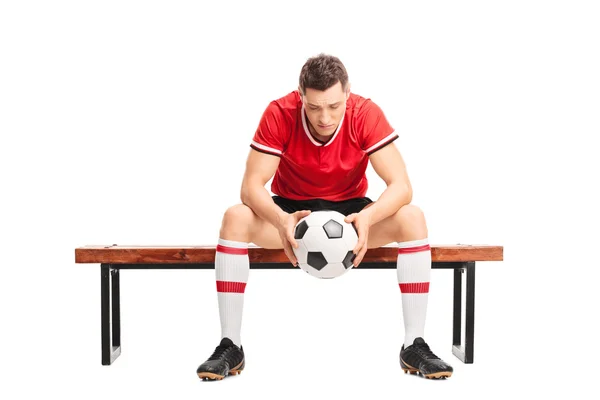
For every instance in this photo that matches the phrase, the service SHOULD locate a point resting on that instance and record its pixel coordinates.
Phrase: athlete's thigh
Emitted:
(264, 234)
(382, 233)
(379, 233)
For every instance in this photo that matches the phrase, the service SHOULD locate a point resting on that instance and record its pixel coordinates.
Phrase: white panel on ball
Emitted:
(332, 271)
(300, 252)
(335, 250)
(315, 238)
(350, 237)
(319, 218)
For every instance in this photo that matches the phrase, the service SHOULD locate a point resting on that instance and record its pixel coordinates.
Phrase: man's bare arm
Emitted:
(389, 165)
(261, 167)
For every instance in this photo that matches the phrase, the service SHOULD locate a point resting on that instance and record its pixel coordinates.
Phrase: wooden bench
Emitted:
(460, 258)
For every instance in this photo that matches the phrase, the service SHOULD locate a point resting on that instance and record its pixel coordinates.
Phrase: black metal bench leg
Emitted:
(464, 353)
(111, 315)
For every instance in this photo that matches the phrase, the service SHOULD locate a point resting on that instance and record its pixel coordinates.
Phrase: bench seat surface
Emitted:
(115, 254)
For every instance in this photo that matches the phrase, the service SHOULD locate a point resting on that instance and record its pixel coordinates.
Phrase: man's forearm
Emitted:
(394, 197)
(258, 199)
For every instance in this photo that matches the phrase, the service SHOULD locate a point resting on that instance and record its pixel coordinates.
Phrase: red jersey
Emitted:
(311, 169)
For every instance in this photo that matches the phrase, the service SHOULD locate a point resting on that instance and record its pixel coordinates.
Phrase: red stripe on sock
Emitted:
(416, 287)
(405, 250)
(231, 250)
(231, 287)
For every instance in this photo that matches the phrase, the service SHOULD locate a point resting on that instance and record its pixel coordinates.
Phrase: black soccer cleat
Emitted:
(419, 358)
(227, 359)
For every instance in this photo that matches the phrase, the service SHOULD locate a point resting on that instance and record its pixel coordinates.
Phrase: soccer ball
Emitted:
(325, 244)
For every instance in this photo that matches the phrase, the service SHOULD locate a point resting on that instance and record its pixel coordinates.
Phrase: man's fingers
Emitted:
(290, 254)
(362, 239)
(359, 245)
(302, 213)
(360, 256)
(357, 261)
(292, 241)
(293, 261)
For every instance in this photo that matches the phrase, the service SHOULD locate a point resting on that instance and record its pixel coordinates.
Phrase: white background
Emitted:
(129, 122)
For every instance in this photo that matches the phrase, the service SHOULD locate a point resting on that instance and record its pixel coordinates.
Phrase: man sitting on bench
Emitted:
(317, 142)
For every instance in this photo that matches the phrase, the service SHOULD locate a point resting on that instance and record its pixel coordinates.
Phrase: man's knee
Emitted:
(411, 222)
(236, 222)
(411, 215)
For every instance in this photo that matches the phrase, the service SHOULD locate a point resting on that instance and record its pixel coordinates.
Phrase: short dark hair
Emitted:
(322, 72)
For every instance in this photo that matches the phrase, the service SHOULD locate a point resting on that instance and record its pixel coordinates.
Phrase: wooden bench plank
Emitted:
(114, 254)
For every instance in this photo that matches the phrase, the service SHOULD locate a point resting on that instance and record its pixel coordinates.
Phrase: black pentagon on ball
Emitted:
(348, 259)
(300, 230)
(316, 259)
(333, 229)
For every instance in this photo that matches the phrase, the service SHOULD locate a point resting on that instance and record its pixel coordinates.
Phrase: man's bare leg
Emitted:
(241, 224)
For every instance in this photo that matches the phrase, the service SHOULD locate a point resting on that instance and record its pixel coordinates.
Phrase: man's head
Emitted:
(324, 88)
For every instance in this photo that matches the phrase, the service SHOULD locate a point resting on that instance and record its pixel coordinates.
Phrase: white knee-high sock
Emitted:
(232, 268)
(414, 270)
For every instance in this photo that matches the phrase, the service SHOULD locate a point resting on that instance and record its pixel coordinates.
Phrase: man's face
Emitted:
(325, 109)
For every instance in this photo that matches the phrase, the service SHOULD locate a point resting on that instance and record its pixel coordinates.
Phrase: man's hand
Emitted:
(286, 233)
(362, 223)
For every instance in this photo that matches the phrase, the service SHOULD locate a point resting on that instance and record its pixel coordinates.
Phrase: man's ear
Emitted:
(301, 94)
(347, 90)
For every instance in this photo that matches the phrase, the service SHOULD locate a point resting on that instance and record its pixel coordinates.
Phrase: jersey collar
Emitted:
(311, 137)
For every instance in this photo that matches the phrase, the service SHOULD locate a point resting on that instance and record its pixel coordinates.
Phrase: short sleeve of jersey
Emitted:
(374, 130)
(272, 129)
